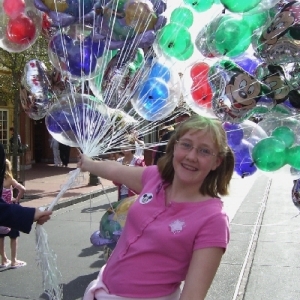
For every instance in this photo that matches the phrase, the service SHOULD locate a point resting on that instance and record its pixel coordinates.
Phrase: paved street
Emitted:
(263, 250)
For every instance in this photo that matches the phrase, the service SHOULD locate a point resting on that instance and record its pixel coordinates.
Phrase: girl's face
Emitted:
(195, 155)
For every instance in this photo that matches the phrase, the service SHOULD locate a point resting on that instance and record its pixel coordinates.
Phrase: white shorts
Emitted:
(97, 290)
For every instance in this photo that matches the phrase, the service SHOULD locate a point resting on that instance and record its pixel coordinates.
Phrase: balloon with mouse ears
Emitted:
(281, 81)
(278, 43)
(235, 91)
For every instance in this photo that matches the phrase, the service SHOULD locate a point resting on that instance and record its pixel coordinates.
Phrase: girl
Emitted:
(128, 159)
(9, 184)
(177, 229)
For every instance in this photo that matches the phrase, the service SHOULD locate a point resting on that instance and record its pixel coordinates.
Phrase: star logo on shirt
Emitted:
(177, 226)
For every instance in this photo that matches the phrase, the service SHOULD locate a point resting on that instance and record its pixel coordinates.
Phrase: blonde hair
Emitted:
(8, 169)
(217, 181)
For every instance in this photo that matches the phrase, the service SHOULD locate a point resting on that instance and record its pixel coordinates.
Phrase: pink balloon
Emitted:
(13, 7)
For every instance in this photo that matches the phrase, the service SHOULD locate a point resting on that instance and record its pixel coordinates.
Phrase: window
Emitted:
(4, 129)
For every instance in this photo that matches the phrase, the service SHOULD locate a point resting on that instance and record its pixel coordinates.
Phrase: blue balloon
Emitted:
(245, 168)
(160, 71)
(248, 63)
(244, 165)
(234, 133)
(79, 58)
(60, 121)
(153, 95)
(77, 8)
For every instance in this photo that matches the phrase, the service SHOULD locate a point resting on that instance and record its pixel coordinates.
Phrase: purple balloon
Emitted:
(248, 63)
(78, 58)
(97, 240)
(244, 165)
(234, 133)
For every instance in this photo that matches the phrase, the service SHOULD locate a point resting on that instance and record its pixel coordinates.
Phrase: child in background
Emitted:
(9, 184)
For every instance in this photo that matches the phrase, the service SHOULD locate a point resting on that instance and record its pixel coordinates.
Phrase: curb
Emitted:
(85, 197)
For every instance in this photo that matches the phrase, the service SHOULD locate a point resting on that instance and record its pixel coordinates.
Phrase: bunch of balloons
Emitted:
(277, 150)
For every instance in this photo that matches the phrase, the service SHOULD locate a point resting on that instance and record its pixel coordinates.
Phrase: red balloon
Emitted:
(13, 7)
(201, 93)
(20, 30)
(199, 70)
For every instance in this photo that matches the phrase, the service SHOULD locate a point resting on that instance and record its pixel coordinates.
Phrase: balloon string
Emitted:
(46, 260)
(71, 181)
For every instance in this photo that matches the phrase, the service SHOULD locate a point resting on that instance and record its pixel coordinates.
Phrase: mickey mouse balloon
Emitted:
(279, 41)
(236, 92)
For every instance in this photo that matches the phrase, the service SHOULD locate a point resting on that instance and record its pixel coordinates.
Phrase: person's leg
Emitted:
(4, 259)
(62, 155)
(68, 149)
(13, 250)
(15, 263)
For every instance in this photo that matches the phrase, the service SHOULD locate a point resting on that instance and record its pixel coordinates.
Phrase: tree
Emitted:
(11, 71)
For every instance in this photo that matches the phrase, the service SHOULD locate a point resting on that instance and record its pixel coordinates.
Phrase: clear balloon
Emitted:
(117, 83)
(156, 97)
(20, 25)
(78, 120)
(226, 35)
(197, 90)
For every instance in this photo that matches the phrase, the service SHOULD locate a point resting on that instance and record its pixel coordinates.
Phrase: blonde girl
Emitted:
(9, 184)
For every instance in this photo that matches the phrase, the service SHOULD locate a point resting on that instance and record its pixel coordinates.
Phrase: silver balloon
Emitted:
(36, 94)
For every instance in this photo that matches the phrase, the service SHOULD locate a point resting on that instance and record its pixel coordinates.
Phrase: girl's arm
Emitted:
(114, 171)
(203, 267)
(21, 189)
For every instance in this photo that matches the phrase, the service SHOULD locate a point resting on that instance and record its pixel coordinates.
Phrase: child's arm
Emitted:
(21, 189)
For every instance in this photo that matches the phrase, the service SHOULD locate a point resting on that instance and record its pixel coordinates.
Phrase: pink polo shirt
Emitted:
(153, 253)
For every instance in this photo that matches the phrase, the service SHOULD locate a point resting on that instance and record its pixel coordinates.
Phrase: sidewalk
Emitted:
(43, 183)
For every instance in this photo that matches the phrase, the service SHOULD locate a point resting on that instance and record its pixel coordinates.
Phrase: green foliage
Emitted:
(12, 66)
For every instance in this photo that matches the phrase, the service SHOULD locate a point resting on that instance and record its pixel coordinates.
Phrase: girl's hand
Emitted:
(83, 162)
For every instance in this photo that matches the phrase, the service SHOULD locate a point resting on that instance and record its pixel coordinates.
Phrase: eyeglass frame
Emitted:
(201, 153)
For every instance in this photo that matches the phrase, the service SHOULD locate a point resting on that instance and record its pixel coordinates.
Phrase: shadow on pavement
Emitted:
(75, 289)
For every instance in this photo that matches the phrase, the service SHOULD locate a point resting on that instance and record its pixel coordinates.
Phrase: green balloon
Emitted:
(182, 16)
(269, 154)
(138, 61)
(174, 39)
(256, 21)
(187, 54)
(240, 6)
(233, 36)
(200, 5)
(284, 134)
(293, 157)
